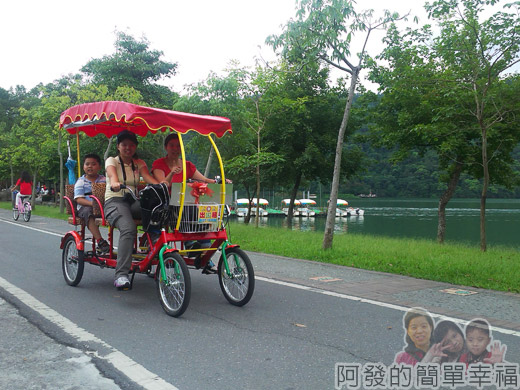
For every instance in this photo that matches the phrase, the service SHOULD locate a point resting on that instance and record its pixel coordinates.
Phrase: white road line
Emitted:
(376, 303)
(32, 228)
(121, 362)
(36, 229)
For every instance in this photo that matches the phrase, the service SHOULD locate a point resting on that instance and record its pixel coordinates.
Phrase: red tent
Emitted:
(110, 117)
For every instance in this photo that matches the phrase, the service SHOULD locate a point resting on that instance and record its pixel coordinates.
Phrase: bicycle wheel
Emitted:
(174, 292)
(16, 213)
(72, 262)
(239, 284)
(26, 211)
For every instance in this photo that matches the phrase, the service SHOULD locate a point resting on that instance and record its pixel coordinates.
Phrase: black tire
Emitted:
(72, 262)
(237, 287)
(174, 292)
(27, 212)
(16, 214)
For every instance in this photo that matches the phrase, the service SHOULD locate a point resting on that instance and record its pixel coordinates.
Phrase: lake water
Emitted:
(418, 218)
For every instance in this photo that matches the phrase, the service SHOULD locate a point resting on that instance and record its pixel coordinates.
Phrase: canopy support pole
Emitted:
(183, 186)
(223, 179)
(77, 147)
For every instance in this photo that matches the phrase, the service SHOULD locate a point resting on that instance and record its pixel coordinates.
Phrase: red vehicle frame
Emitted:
(167, 260)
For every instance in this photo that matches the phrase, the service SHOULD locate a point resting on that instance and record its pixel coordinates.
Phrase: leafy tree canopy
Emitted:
(134, 65)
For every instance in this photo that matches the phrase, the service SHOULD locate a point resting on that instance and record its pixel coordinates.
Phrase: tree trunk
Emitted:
(331, 211)
(107, 150)
(210, 160)
(247, 218)
(294, 193)
(257, 219)
(485, 165)
(483, 243)
(62, 185)
(445, 198)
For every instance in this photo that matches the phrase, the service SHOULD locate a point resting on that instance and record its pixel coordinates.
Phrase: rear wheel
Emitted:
(174, 291)
(72, 262)
(16, 213)
(239, 284)
(27, 212)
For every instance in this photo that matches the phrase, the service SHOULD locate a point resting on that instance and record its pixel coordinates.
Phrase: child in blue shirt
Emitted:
(82, 190)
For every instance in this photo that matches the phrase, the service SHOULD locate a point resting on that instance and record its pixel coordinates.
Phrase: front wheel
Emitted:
(27, 212)
(237, 285)
(72, 262)
(16, 213)
(174, 291)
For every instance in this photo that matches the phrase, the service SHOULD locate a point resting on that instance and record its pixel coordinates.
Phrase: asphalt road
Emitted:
(299, 323)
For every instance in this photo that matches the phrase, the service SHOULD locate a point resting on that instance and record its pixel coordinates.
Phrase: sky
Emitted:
(45, 40)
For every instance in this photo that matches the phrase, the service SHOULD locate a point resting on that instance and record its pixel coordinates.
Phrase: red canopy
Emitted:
(110, 117)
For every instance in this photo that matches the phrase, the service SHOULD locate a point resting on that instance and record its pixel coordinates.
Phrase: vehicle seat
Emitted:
(98, 191)
(71, 204)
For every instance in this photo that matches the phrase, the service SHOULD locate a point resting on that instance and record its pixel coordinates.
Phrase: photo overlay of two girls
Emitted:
(437, 355)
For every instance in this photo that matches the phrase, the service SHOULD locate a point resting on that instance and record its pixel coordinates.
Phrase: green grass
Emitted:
(497, 269)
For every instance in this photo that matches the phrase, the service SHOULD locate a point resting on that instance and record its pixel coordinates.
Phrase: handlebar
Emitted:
(125, 187)
(218, 180)
(121, 187)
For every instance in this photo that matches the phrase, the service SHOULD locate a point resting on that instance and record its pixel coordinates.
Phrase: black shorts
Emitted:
(85, 212)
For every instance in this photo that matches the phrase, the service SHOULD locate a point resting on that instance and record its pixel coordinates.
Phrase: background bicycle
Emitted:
(23, 207)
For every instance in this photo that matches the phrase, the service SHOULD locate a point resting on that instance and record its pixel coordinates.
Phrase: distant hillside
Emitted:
(415, 177)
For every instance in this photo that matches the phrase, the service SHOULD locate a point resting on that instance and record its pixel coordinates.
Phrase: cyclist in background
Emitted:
(24, 184)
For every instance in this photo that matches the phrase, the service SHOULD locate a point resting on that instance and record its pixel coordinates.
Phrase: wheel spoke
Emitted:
(238, 284)
(174, 287)
(72, 262)
(174, 290)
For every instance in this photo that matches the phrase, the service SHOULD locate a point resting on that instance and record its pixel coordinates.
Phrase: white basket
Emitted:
(197, 218)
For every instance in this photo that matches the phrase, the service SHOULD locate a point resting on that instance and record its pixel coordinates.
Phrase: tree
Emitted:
(417, 111)
(243, 168)
(321, 31)
(134, 65)
(304, 133)
(221, 96)
(263, 99)
(10, 103)
(451, 97)
(479, 53)
(38, 124)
